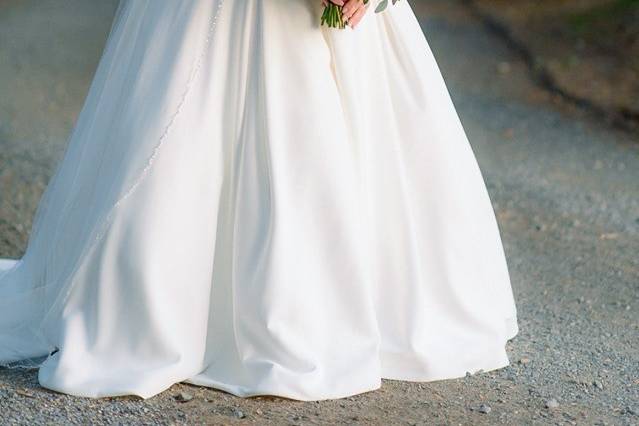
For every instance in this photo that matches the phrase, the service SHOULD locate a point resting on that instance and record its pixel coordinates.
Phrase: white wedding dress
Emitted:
(256, 203)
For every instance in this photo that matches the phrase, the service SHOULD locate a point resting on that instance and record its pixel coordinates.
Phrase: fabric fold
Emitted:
(253, 202)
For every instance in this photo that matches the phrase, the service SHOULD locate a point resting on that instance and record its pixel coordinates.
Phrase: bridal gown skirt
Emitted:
(255, 203)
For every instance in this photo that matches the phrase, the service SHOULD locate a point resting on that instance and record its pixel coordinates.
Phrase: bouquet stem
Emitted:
(332, 16)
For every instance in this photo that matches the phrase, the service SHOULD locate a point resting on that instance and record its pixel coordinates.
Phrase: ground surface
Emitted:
(564, 186)
(585, 49)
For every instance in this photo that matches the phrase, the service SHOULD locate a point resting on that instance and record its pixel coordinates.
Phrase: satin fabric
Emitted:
(255, 203)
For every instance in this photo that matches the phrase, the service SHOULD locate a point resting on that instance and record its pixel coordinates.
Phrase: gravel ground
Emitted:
(564, 186)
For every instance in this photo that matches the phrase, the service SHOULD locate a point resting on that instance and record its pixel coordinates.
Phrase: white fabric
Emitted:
(255, 203)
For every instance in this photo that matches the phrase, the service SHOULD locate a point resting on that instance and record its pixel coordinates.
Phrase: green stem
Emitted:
(332, 16)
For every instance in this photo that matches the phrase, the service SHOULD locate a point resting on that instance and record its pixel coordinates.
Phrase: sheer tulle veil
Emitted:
(143, 78)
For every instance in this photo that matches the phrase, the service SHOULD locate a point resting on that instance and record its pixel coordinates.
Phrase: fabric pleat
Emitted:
(252, 202)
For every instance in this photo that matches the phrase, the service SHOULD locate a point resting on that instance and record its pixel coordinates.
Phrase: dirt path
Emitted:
(567, 199)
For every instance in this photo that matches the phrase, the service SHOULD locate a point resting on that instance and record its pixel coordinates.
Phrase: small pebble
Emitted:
(183, 397)
(552, 404)
(484, 408)
(632, 411)
(239, 414)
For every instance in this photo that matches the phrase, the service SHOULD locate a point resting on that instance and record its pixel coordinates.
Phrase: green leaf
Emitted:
(381, 6)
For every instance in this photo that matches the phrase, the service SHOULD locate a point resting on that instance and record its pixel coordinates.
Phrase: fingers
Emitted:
(351, 7)
(353, 11)
(354, 20)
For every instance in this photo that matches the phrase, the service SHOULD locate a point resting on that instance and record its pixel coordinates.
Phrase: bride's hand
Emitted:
(352, 11)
